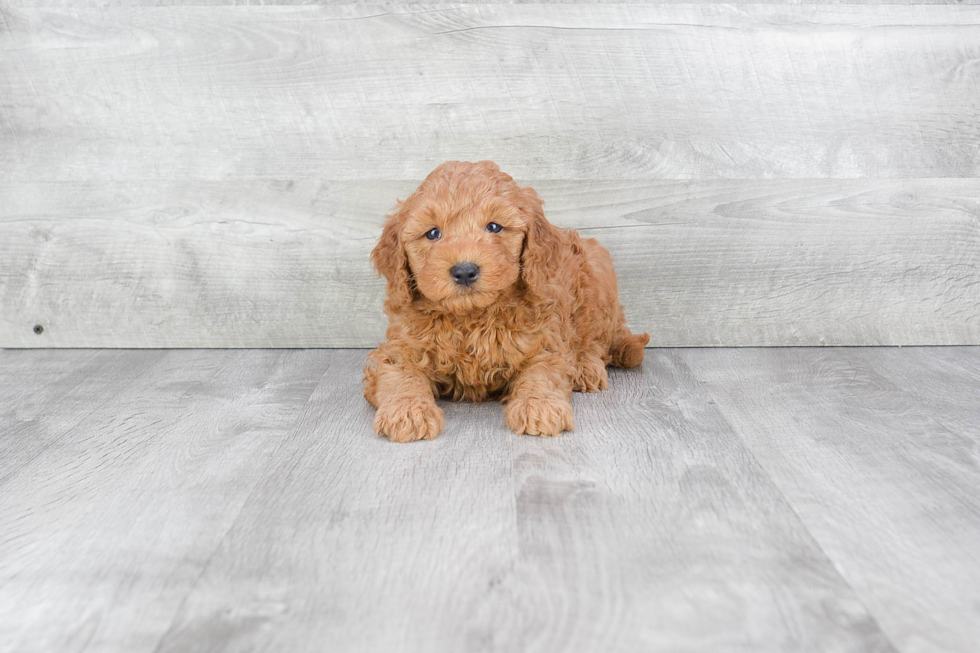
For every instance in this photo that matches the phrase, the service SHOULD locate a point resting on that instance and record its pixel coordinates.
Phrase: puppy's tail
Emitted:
(627, 348)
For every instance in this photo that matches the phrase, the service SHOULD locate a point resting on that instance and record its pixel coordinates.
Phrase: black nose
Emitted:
(465, 274)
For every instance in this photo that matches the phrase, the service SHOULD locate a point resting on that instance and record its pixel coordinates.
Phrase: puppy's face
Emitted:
(463, 232)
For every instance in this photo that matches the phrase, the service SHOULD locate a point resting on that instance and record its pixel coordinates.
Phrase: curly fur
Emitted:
(543, 318)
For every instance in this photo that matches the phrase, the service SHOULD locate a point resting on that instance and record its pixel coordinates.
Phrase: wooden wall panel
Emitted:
(269, 263)
(577, 92)
(425, 4)
(216, 175)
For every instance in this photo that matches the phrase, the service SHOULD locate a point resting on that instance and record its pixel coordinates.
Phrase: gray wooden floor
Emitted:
(714, 500)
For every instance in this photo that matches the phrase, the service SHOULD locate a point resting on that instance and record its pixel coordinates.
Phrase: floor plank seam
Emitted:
(271, 458)
(786, 500)
(766, 500)
(88, 412)
(833, 562)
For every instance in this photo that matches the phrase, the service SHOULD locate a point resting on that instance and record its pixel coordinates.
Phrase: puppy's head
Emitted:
(466, 236)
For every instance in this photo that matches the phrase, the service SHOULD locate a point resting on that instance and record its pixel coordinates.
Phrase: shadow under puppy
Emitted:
(488, 300)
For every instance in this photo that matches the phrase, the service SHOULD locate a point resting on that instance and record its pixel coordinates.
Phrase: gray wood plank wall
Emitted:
(215, 176)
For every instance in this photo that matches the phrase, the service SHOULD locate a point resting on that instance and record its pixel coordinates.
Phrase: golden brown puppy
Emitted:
(487, 300)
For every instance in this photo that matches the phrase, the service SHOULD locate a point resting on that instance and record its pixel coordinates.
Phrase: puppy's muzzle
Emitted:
(465, 274)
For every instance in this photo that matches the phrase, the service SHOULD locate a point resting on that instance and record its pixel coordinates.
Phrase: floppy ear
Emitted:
(542, 245)
(389, 259)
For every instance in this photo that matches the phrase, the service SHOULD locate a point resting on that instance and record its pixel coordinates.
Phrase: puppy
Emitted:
(487, 300)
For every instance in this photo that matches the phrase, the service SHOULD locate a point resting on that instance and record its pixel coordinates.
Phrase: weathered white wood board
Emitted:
(724, 500)
(426, 4)
(548, 91)
(65, 377)
(106, 527)
(269, 263)
(239, 501)
(198, 176)
(877, 451)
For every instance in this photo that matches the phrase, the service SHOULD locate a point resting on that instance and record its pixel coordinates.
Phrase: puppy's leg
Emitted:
(590, 372)
(538, 401)
(407, 409)
(627, 348)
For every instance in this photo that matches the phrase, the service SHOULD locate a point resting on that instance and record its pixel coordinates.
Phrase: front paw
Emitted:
(409, 419)
(539, 416)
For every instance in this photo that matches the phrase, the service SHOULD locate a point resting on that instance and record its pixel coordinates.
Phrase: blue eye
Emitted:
(494, 228)
(433, 233)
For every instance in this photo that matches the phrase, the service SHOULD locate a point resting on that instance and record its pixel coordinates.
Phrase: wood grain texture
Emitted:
(224, 503)
(30, 383)
(877, 451)
(81, 382)
(548, 91)
(486, 541)
(215, 176)
(426, 3)
(281, 263)
(105, 531)
(653, 521)
(355, 541)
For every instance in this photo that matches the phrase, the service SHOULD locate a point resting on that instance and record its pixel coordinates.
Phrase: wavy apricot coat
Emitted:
(543, 319)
